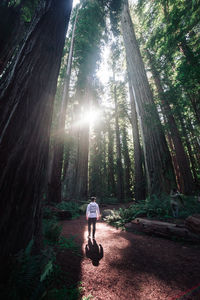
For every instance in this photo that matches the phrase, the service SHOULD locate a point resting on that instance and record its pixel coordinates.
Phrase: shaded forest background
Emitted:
(119, 157)
(65, 135)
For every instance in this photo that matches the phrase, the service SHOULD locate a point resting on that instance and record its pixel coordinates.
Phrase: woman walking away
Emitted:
(92, 215)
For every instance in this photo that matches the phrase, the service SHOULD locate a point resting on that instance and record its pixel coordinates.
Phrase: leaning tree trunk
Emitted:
(187, 183)
(158, 164)
(26, 105)
(139, 177)
(12, 31)
(55, 186)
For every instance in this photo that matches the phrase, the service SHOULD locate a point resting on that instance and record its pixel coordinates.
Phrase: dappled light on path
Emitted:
(134, 267)
(117, 275)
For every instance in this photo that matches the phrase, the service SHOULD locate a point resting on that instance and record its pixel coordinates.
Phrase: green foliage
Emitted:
(114, 219)
(48, 213)
(110, 200)
(83, 208)
(89, 297)
(29, 275)
(34, 277)
(153, 207)
(28, 11)
(73, 207)
(64, 293)
(191, 206)
(89, 32)
(69, 243)
(51, 231)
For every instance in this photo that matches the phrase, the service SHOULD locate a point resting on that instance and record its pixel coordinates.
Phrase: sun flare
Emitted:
(90, 118)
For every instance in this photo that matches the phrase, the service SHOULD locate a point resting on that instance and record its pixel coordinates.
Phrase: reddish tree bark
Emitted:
(55, 184)
(127, 165)
(158, 164)
(111, 177)
(120, 181)
(139, 178)
(26, 104)
(186, 183)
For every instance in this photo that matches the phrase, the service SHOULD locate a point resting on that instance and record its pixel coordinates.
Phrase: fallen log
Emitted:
(193, 223)
(163, 229)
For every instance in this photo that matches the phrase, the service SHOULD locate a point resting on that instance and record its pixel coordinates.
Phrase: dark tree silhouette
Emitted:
(26, 103)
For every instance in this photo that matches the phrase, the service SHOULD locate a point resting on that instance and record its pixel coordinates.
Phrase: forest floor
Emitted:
(133, 266)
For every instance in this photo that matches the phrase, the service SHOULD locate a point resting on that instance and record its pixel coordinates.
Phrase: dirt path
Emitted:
(133, 266)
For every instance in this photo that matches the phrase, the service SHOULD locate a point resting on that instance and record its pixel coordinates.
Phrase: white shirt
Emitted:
(92, 210)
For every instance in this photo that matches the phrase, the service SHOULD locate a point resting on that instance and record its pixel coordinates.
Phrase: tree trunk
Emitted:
(69, 181)
(111, 178)
(187, 183)
(194, 140)
(55, 185)
(120, 182)
(25, 114)
(67, 149)
(12, 32)
(193, 92)
(81, 190)
(97, 174)
(190, 153)
(179, 179)
(139, 178)
(158, 164)
(127, 165)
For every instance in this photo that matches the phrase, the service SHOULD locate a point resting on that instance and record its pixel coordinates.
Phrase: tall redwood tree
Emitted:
(158, 164)
(26, 103)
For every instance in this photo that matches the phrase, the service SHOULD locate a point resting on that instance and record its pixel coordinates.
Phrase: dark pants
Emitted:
(93, 222)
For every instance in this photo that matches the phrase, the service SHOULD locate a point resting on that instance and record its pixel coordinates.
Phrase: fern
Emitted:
(70, 244)
(51, 231)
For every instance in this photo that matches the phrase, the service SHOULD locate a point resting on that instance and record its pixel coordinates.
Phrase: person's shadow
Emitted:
(94, 252)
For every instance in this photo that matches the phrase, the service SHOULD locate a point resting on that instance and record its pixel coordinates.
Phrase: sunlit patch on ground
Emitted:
(131, 266)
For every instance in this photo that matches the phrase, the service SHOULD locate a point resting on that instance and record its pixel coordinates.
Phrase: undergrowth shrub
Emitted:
(153, 207)
(109, 200)
(83, 207)
(114, 217)
(73, 207)
(35, 277)
(29, 274)
(191, 206)
(38, 277)
(48, 213)
(51, 231)
(69, 243)
(64, 293)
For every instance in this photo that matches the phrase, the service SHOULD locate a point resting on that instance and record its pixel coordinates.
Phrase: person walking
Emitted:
(92, 215)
